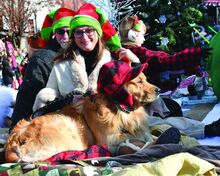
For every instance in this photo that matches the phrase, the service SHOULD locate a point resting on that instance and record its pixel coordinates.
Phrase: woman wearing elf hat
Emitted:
(78, 67)
(55, 34)
(132, 31)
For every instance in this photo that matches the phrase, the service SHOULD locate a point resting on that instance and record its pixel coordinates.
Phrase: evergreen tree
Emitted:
(169, 22)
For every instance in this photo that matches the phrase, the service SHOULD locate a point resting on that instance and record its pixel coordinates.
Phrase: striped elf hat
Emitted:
(55, 20)
(89, 15)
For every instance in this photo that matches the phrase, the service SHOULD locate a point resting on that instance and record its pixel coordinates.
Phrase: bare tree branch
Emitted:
(17, 12)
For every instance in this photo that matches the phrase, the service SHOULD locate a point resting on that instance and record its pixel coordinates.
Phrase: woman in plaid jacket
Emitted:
(132, 33)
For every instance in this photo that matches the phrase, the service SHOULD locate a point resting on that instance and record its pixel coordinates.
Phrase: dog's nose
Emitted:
(157, 90)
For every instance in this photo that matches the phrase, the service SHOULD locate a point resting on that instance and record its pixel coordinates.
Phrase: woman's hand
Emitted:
(127, 55)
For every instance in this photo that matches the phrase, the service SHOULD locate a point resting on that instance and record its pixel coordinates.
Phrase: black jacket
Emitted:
(35, 78)
(7, 72)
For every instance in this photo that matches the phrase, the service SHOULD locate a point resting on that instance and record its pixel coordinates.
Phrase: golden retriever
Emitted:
(100, 122)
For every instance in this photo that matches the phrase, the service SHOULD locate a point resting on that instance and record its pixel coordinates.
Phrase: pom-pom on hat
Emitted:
(112, 76)
(55, 20)
(89, 15)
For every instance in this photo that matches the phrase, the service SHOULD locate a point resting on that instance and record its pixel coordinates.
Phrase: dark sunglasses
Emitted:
(62, 31)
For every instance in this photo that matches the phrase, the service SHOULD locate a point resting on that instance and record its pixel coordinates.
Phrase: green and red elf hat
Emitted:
(55, 20)
(89, 15)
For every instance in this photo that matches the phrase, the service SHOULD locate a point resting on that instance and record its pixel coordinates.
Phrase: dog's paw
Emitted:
(43, 97)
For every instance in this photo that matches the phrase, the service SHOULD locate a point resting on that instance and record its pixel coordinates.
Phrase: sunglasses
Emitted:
(79, 33)
(62, 31)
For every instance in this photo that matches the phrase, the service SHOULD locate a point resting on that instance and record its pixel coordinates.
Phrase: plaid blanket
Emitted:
(93, 152)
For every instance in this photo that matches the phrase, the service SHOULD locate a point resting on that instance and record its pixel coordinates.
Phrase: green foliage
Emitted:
(171, 35)
(192, 15)
(169, 19)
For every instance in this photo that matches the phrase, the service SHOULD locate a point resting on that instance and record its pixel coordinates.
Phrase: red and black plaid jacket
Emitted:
(160, 61)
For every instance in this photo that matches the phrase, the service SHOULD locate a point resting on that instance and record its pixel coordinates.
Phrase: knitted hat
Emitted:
(55, 20)
(89, 15)
(112, 76)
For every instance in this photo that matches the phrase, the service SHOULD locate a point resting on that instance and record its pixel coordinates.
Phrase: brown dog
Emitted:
(100, 122)
(111, 126)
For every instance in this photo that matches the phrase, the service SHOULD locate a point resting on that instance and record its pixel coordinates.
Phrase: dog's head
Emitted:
(142, 91)
(126, 85)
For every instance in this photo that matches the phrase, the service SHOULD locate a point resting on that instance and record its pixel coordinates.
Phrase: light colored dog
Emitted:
(100, 122)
